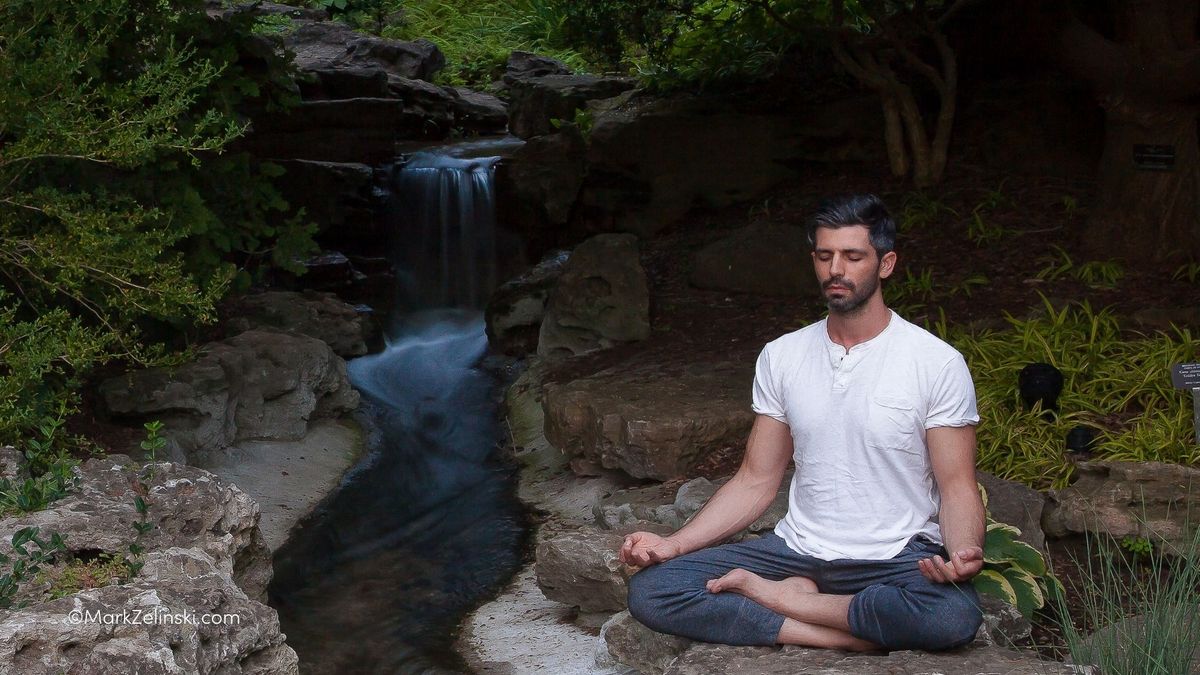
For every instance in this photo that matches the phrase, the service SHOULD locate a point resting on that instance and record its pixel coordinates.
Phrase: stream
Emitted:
(427, 524)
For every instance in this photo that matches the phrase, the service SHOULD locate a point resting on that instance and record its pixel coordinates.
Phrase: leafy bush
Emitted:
(1118, 383)
(113, 221)
(1013, 571)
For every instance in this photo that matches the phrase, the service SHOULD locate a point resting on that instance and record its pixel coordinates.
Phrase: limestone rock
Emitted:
(255, 386)
(632, 644)
(171, 628)
(1003, 625)
(477, 112)
(524, 65)
(1127, 499)
(581, 568)
(1016, 504)
(334, 45)
(760, 259)
(12, 464)
(535, 101)
(189, 507)
(515, 311)
(650, 421)
(539, 184)
(1132, 631)
(318, 315)
(703, 659)
(601, 299)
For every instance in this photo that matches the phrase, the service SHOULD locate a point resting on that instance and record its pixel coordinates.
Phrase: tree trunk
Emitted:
(1148, 81)
(1140, 214)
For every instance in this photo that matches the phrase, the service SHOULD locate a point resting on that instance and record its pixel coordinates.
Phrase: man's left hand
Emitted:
(961, 566)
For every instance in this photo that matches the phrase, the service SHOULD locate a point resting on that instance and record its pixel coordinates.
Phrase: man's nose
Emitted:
(836, 265)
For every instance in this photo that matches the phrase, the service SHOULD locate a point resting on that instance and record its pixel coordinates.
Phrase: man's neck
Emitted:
(858, 327)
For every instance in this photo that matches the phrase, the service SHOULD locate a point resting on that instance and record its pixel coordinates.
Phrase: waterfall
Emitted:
(445, 248)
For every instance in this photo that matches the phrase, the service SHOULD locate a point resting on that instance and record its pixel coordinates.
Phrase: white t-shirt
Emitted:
(864, 483)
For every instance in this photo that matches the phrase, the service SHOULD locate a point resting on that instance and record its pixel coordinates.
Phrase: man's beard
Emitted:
(857, 297)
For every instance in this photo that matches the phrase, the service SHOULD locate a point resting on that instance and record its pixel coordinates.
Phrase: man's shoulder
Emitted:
(797, 339)
(925, 342)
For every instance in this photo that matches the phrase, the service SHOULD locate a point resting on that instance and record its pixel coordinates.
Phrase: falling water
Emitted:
(427, 524)
(446, 248)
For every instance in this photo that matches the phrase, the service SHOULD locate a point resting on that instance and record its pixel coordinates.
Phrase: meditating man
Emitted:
(879, 416)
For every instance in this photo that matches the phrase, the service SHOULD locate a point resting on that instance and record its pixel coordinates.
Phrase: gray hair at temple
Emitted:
(850, 210)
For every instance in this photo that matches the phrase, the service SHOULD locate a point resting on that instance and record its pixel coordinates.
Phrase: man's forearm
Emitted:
(962, 518)
(737, 504)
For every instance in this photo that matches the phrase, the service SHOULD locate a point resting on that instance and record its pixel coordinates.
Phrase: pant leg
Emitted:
(671, 597)
(895, 606)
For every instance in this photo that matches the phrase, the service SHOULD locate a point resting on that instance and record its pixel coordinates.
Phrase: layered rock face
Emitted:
(254, 386)
(205, 558)
(317, 315)
(648, 422)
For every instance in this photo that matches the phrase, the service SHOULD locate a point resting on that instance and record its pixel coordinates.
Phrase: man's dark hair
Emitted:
(849, 210)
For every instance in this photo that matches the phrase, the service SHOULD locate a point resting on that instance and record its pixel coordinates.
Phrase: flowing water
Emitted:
(427, 524)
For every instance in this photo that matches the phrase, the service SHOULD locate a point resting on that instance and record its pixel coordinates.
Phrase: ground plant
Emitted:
(1144, 626)
(1013, 571)
(1117, 382)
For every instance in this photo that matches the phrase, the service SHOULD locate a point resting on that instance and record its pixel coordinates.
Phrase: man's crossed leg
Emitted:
(760, 592)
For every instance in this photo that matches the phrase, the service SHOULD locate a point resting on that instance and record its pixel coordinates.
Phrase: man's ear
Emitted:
(887, 264)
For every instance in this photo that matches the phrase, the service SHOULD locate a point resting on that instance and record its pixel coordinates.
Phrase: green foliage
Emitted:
(1098, 274)
(79, 575)
(1137, 545)
(919, 210)
(24, 563)
(1147, 609)
(476, 36)
(1118, 383)
(1013, 571)
(117, 215)
(154, 440)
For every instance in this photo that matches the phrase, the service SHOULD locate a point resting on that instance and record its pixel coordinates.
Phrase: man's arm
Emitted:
(952, 453)
(737, 504)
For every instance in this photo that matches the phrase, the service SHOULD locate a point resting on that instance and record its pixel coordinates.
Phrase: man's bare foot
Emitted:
(758, 589)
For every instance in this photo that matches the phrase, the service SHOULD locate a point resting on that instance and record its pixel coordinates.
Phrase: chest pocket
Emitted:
(892, 425)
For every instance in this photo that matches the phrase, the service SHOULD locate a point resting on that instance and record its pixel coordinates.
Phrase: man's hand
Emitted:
(961, 567)
(642, 549)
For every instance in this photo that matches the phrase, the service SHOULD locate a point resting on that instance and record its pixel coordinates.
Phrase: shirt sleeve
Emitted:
(767, 397)
(952, 400)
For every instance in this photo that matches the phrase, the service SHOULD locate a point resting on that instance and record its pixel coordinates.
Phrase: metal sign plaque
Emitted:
(1154, 157)
(1186, 375)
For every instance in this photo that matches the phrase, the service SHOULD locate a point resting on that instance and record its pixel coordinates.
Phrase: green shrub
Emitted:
(1117, 382)
(1013, 571)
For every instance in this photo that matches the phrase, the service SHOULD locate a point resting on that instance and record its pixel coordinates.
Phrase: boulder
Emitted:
(654, 504)
(601, 299)
(189, 508)
(182, 613)
(317, 315)
(537, 187)
(1003, 625)
(259, 385)
(1128, 499)
(333, 45)
(535, 101)
(760, 259)
(12, 464)
(1131, 633)
(630, 643)
(515, 311)
(477, 112)
(1016, 504)
(702, 659)
(650, 421)
(581, 568)
(525, 65)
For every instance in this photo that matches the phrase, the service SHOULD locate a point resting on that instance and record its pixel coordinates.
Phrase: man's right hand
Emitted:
(642, 549)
